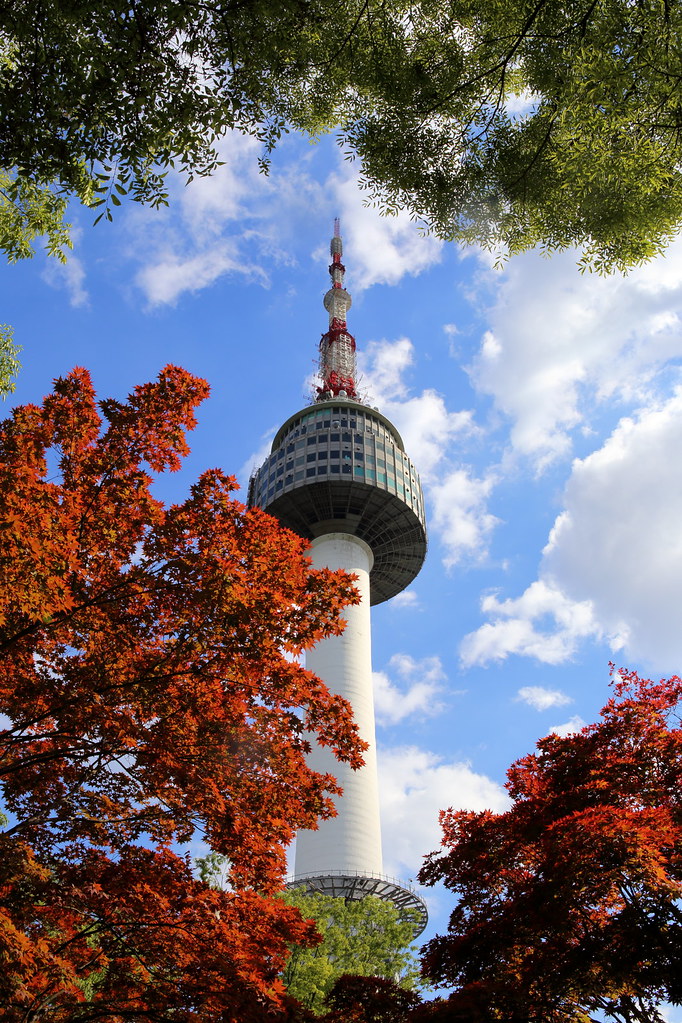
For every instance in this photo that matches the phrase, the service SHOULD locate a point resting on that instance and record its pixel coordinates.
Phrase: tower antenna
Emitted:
(338, 363)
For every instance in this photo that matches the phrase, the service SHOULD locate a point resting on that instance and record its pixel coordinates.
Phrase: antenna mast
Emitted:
(338, 367)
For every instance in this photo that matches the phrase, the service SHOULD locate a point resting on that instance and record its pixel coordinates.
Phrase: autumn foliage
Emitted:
(149, 698)
(569, 902)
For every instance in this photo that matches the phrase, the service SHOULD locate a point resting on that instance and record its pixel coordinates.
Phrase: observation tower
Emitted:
(338, 475)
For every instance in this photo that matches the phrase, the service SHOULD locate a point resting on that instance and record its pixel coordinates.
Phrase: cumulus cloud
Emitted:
(428, 428)
(612, 567)
(415, 693)
(542, 699)
(230, 223)
(233, 222)
(170, 275)
(574, 724)
(559, 343)
(461, 516)
(618, 540)
(69, 275)
(430, 431)
(406, 599)
(381, 249)
(414, 785)
(201, 237)
(542, 623)
(256, 459)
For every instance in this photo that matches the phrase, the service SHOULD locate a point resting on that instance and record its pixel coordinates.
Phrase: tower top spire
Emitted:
(338, 366)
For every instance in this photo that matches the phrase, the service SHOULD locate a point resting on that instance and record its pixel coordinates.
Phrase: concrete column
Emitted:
(351, 842)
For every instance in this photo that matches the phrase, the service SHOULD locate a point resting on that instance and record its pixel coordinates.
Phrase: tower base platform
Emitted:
(351, 886)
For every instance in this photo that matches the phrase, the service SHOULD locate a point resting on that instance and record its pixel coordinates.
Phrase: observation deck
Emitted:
(339, 466)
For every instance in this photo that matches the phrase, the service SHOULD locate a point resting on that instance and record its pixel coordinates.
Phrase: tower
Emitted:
(338, 475)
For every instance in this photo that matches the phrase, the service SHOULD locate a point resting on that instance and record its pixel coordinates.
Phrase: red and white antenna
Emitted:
(338, 367)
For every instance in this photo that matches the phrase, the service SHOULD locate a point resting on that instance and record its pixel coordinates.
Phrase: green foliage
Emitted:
(539, 123)
(9, 363)
(29, 209)
(506, 123)
(213, 869)
(365, 938)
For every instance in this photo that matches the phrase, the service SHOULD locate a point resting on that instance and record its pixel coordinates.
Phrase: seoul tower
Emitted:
(338, 475)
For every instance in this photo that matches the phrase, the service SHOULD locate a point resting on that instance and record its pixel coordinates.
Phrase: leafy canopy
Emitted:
(507, 123)
(9, 361)
(147, 698)
(569, 903)
(366, 938)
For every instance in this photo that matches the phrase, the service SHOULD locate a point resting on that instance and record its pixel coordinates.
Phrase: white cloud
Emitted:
(383, 365)
(170, 276)
(517, 627)
(69, 275)
(231, 222)
(612, 567)
(414, 785)
(428, 428)
(416, 693)
(560, 343)
(574, 724)
(406, 599)
(618, 541)
(255, 460)
(209, 202)
(461, 516)
(541, 698)
(224, 224)
(380, 249)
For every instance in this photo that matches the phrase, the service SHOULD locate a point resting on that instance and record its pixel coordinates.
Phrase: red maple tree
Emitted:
(151, 696)
(360, 999)
(569, 902)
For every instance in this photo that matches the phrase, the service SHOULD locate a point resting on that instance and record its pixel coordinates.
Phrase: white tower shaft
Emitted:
(350, 842)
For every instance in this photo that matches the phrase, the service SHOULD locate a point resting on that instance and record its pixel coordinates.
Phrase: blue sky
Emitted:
(543, 409)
